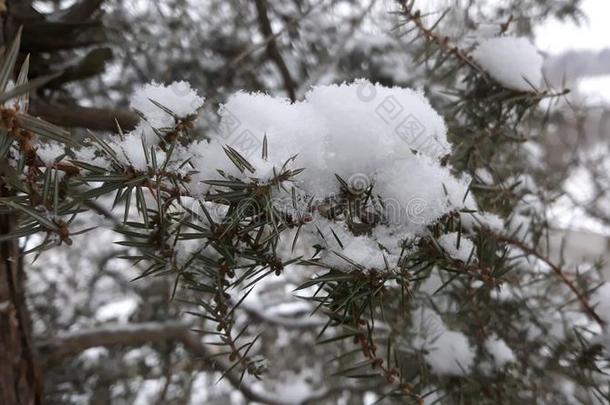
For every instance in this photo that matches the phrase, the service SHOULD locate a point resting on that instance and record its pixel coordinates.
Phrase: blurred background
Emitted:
(106, 49)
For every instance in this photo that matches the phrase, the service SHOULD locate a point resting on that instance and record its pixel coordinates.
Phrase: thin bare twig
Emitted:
(273, 51)
(75, 116)
(293, 22)
(558, 271)
(428, 33)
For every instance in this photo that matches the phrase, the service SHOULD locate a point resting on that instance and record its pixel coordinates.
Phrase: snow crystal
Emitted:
(88, 155)
(206, 158)
(178, 97)
(514, 62)
(359, 249)
(188, 248)
(93, 355)
(499, 350)
(449, 243)
(146, 131)
(484, 176)
(471, 220)
(447, 352)
(120, 310)
(519, 227)
(49, 153)
(343, 129)
(392, 239)
(451, 354)
(339, 241)
(134, 149)
(130, 152)
(422, 190)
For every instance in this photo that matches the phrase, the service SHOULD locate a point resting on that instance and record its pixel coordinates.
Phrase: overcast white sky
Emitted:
(556, 37)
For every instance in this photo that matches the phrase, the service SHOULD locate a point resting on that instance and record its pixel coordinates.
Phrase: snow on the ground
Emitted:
(499, 350)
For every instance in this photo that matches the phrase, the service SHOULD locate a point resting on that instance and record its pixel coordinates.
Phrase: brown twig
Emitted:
(272, 50)
(293, 22)
(391, 374)
(75, 116)
(430, 35)
(558, 271)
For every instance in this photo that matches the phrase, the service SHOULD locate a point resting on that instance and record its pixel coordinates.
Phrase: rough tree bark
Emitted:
(20, 375)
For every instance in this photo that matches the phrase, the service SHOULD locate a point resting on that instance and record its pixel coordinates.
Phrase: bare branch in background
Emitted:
(272, 50)
(59, 348)
(81, 10)
(67, 345)
(74, 116)
(587, 307)
(577, 64)
(71, 344)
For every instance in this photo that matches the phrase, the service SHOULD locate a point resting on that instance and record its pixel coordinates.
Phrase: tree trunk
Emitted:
(20, 375)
